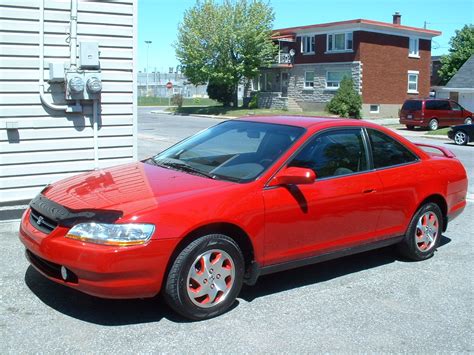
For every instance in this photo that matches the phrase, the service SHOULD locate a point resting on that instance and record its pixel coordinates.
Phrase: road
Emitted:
(371, 302)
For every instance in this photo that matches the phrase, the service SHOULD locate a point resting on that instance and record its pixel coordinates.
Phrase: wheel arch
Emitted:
(442, 204)
(231, 230)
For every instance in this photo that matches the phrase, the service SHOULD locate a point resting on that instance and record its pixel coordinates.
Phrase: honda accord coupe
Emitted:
(242, 199)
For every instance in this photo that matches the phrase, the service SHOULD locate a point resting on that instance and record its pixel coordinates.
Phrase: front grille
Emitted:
(51, 269)
(41, 222)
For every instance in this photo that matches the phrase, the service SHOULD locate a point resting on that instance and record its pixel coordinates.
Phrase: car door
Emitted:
(400, 173)
(457, 115)
(445, 113)
(340, 209)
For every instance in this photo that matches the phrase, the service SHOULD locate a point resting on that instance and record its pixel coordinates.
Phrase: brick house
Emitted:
(388, 62)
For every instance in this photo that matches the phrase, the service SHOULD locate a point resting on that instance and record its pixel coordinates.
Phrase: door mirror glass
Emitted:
(293, 176)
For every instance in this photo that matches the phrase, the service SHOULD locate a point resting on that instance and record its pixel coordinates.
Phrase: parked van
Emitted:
(433, 113)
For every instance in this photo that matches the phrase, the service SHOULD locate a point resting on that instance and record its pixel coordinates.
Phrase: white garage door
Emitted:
(466, 100)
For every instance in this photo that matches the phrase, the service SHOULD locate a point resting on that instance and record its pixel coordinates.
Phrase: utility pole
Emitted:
(147, 47)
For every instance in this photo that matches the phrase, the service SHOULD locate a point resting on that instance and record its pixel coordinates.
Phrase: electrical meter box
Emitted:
(56, 72)
(89, 55)
(82, 85)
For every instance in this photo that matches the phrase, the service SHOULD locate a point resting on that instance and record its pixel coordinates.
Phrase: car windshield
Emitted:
(237, 151)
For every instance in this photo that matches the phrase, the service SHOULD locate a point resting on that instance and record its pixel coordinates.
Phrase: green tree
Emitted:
(226, 42)
(347, 101)
(462, 47)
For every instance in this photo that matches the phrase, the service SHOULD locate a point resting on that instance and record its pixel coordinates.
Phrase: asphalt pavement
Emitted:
(372, 302)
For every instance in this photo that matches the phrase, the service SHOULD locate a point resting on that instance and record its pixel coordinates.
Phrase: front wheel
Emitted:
(205, 278)
(424, 233)
(468, 120)
(460, 138)
(433, 125)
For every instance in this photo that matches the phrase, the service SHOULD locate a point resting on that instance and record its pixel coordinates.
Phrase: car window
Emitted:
(386, 151)
(334, 153)
(444, 105)
(412, 105)
(455, 106)
(233, 150)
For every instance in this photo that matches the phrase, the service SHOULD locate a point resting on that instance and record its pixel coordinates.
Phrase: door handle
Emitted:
(369, 191)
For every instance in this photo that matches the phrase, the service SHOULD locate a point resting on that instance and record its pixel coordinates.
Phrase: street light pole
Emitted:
(147, 47)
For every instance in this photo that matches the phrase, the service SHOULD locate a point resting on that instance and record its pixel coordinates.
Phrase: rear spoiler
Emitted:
(446, 152)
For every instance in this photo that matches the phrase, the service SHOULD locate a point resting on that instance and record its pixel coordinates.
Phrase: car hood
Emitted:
(130, 188)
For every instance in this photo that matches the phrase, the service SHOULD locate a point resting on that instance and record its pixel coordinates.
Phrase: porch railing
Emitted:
(283, 58)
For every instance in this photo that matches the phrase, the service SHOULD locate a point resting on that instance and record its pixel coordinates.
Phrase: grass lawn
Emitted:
(164, 101)
(439, 132)
(240, 112)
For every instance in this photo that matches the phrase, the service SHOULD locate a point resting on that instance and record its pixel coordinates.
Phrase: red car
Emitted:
(433, 113)
(241, 199)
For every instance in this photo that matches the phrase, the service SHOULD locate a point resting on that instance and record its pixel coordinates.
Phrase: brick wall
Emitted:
(385, 67)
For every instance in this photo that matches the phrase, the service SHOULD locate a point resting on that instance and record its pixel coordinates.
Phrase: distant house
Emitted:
(388, 62)
(461, 86)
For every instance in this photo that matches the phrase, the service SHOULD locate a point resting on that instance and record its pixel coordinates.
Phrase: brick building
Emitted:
(388, 62)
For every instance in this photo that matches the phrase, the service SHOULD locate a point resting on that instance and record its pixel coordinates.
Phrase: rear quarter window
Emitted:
(412, 105)
(387, 152)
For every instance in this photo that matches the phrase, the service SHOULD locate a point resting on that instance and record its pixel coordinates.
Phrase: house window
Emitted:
(337, 42)
(309, 79)
(333, 78)
(307, 44)
(374, 108)
(414, 48)
(413, 82)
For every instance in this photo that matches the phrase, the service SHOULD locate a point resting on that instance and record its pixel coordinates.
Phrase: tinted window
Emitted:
(388, 152)
(334, 153)
(455, 106)
(437, 105)
(412, 105)
(233, 150)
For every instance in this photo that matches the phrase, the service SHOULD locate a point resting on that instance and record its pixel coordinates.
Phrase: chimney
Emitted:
(397, 18)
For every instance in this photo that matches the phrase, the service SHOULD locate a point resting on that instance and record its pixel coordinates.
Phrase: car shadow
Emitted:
(325, 271)
(110, 312)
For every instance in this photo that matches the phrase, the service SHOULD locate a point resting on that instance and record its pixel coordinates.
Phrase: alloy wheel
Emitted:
(433, 125)
(460, 138)
(426, 232)
(210, 278)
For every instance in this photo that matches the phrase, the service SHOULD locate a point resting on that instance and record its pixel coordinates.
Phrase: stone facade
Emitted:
(316, 98)
(272, 100)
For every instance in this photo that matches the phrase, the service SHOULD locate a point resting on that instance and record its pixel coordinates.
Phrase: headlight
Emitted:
(112, 234)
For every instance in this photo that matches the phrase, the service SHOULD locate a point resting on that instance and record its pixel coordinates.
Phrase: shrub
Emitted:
(347, 101)
(220, 92)
(253, 104)
(177, 100)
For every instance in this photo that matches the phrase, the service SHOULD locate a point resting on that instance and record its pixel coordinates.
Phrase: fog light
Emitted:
(64, 273)
(94, 85)
(76, 85)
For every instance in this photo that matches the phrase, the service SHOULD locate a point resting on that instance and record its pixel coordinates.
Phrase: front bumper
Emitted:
(98, 270)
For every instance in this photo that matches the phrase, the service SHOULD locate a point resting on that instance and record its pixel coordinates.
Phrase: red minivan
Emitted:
(433, 113)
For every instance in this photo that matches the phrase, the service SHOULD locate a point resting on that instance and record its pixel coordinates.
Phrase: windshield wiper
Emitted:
(183, 166)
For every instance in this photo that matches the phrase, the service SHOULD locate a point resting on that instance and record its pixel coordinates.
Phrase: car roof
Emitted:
(306, 121)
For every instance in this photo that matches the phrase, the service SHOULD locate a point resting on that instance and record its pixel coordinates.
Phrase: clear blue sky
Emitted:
(158, 20)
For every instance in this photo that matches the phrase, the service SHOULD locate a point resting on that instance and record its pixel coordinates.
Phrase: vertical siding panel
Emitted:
(49, 145)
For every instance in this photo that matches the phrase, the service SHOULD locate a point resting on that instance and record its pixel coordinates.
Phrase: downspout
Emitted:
(73, 58)
(41, 64)
(95, 129)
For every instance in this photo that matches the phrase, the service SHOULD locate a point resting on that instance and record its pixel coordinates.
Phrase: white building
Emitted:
(48, 128)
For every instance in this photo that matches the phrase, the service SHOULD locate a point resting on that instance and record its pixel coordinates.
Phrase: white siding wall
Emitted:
(49, 145)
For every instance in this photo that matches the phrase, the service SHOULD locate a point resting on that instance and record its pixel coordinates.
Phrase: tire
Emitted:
(410, 127)
(420, 243)
(433, 125)
(468, 120)
(205, 277)
(461, 138)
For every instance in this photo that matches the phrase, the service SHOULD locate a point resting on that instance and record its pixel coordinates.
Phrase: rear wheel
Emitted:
(461, 138)
(205, 278)
(468, 120)
(410, 127)
(433, 125)
(423, 234)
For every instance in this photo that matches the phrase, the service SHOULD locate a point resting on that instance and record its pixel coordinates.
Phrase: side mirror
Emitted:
(293, 176)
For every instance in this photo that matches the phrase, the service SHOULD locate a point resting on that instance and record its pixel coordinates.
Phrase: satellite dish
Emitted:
(435, 45)
(292, 52)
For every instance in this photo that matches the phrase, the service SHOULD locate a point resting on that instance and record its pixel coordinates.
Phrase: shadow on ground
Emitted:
(110, 312)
